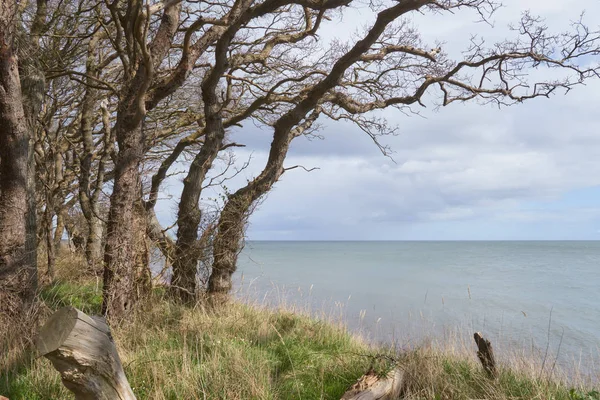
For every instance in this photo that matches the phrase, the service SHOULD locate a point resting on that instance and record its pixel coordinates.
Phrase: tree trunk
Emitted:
(60, 229)
(119, 254)
(18, 274)
(143, 274)
(50, 248)
(232, 222)
(119, 259)
(187, 250)
(93, 246)
(33, 84)
(230, 232)
(87, 200)
(228, 243)
(82, 350)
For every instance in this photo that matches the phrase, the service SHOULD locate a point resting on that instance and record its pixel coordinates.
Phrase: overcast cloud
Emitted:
(462, 172)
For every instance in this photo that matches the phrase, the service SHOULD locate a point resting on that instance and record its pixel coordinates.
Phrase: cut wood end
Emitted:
(56, 330)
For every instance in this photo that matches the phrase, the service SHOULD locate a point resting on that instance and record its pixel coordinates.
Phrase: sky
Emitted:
(462, 172)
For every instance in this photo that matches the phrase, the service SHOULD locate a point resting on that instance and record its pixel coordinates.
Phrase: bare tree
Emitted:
(156, 62)
(389, 67)
(226, 101)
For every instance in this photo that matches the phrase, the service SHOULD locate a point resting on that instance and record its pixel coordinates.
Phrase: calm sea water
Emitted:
(538, 297)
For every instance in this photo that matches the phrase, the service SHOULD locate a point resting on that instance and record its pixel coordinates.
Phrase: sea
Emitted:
(538, 299)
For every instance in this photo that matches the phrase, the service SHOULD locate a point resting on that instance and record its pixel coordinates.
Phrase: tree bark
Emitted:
(230, 233)
(485, 353)
(82, 350)
(50, 248)
(232, 222)
(33, 84)
(187, 250)
(18, 273)
(60, 229)
(88, 197)
(119, 253)
(93, 245)
(373, 387)
(119, 258)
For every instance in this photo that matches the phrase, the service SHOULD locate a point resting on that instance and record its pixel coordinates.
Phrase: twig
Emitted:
(300, 166)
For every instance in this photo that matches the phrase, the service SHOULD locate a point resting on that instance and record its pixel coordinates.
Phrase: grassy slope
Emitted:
(170, 352)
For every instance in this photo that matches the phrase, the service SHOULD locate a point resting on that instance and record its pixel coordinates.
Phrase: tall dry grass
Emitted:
(251, 351)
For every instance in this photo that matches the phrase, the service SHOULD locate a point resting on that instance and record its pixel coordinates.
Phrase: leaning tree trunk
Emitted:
(230, 229)
(187, 250)
(83, 352)
(142, 273)
(18, 274)
(232, 222)
(120, 249)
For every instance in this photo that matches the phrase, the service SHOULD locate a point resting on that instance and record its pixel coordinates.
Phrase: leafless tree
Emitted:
(262, 62)
(390, 67)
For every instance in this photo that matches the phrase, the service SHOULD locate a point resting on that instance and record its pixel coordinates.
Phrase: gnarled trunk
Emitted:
(232, 222)
(230, 234)
(18, 274)
(187, 250)
(120, 248)
(88, 197)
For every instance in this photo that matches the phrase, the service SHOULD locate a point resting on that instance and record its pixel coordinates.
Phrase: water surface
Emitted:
(536, 296)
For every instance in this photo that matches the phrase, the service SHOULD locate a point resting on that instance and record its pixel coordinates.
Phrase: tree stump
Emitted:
(373, 387)
(485, 353)
(81, 348)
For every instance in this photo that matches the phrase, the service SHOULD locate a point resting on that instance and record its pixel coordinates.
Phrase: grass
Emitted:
(173, 352)
(250, 352)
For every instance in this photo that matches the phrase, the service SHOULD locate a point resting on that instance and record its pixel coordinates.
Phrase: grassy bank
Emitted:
(249, 352)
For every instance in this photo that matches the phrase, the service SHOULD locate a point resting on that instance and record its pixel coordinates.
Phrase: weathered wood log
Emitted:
(373, 387)
(81, 348)
(485, 353)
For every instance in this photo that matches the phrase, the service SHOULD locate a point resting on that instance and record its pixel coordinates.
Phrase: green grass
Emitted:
(87, 296)
(248, 352)
(172, 352)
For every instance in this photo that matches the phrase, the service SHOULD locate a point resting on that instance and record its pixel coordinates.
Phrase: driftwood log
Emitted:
(81, 349)
(485, 353)
(373, 387)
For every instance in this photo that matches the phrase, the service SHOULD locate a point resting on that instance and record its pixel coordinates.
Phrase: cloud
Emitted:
(470, 163)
